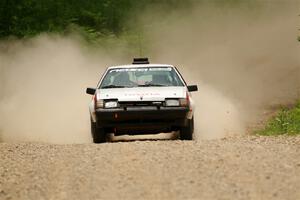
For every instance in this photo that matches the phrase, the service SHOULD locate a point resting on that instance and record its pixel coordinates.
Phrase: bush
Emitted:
(286, 122)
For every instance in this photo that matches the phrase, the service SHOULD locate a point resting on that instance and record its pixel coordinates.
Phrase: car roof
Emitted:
(140, 66)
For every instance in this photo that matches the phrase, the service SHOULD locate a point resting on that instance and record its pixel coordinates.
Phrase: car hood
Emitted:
(142, 93)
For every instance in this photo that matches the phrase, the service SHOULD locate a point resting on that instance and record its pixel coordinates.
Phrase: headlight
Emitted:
(177, 102)
(172, 102)
(111, 104)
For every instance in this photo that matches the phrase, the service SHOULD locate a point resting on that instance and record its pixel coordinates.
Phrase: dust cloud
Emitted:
(242, 58)
(43, 83)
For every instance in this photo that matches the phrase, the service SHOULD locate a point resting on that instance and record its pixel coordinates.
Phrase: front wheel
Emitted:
(98, 134)
(186, 132)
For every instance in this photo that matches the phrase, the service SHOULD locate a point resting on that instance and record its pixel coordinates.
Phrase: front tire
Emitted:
(98, 134)
(186, 132)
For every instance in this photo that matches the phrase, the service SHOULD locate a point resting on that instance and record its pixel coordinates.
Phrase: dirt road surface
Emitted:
(246, 167)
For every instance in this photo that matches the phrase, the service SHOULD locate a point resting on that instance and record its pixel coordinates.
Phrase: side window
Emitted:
(170, 78)
(179, 80)
(108, 79)
(173, 78)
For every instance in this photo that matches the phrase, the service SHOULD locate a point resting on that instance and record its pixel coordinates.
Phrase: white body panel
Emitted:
(142, 93)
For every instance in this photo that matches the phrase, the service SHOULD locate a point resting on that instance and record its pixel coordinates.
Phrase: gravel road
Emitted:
(246, 167)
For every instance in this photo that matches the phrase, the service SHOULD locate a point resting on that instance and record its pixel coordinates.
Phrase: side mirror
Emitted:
(90, 91)
(192, 88)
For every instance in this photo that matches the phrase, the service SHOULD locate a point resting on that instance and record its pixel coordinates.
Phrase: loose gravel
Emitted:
(247, 167)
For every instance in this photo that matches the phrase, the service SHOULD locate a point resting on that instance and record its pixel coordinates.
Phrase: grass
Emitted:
(287, 122)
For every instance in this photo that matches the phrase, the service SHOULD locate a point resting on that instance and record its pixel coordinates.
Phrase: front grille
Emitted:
(140, 103)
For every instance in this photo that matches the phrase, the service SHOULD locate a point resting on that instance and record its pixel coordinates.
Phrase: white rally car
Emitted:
(141, 98)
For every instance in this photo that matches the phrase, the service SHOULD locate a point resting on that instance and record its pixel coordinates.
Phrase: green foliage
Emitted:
(26, 18)
(23, 18)
(30, 17)
(286, 122)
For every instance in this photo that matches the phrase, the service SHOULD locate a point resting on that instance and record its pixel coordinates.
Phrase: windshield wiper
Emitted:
(151, 85)
(113, 86)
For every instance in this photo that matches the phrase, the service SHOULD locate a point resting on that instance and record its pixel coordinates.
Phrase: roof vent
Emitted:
(137, 61)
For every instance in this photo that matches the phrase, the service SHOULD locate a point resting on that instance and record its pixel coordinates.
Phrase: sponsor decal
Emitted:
(142, 94)
(153, 69)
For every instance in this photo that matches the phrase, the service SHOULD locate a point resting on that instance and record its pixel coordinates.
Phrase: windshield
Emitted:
(141, 77)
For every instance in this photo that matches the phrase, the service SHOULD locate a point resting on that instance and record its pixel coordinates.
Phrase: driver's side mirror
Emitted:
(192, 88)
(90, 91)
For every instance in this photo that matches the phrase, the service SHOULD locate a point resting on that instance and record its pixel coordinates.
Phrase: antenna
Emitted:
(140, 43)
(139, 29)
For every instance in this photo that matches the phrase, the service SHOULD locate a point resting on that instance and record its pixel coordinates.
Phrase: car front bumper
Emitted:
(142, 120)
